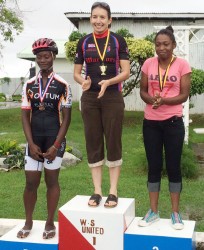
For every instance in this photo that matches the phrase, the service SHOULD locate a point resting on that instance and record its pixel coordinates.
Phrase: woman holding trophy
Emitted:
(105, 57)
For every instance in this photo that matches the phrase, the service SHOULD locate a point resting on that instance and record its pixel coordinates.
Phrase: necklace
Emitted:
(102, 67)
(162, 80)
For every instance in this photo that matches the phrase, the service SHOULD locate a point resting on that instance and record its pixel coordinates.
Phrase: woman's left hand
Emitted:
(50, 154)
(104, 84)
(158, 102)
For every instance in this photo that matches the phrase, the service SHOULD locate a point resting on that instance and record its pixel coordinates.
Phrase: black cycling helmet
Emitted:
(44, 44)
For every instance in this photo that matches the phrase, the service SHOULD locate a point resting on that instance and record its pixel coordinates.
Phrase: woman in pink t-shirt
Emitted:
(165, 85)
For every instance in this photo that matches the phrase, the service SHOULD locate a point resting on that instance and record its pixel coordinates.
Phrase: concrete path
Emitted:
(7, 105)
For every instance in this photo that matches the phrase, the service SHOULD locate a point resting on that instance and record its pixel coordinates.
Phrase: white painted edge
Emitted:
(199, 130)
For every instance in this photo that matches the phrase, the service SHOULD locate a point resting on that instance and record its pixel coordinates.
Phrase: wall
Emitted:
(197, 101)
(14, 87)
(139, 28)
(61, 66)
(65, 69)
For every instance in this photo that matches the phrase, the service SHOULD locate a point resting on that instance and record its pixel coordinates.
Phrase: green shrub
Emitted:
(139, 49)
(16, 97)
(68, 149)
(2, 97)
(5, 80)
(13, 152)
(7, 147)
(70, 50)
(16, 160)
(197, 82)
(75, 36)
(124, 33)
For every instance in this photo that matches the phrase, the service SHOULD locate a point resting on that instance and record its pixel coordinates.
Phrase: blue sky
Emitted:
(45, 18)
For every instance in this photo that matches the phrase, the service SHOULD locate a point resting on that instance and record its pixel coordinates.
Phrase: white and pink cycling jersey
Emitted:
(179, 68)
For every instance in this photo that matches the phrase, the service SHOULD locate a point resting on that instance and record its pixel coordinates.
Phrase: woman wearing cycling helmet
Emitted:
(44, 97)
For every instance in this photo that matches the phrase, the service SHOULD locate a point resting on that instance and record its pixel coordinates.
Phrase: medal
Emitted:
(41, 106)
(42, 93)
(102, 67)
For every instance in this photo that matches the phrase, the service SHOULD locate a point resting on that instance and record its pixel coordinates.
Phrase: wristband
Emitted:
(54, 147)
(57, 144)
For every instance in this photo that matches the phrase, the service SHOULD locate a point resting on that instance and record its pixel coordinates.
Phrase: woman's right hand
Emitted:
(35, 152)
(86, 84)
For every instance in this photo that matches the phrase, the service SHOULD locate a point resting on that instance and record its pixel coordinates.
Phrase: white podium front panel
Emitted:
(34, 241)
(159, 236)
(86, 228)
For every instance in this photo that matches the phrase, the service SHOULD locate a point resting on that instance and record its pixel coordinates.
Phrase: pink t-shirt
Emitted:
(179, 68)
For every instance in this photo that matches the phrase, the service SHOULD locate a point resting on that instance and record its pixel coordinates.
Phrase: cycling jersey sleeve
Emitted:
(79, 57)
(123, 49)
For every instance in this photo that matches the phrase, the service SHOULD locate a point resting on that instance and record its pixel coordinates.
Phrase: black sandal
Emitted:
(96, 198)
(111, 197)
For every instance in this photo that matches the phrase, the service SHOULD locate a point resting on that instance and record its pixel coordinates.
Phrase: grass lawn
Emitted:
(77, 180)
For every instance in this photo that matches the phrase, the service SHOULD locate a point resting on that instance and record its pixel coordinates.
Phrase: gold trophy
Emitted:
(103, 70)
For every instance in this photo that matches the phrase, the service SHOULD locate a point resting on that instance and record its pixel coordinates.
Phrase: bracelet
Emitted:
(57, 144)
(54, 147)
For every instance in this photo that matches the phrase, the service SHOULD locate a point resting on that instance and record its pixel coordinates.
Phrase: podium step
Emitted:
(86, 228)
(34, 241)
(159, 236)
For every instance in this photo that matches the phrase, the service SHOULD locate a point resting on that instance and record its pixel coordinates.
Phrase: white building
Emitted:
(140, 25)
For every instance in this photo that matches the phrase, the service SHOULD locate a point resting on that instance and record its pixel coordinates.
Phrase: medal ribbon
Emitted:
(162, 81)
(105, 48)
(42, 96)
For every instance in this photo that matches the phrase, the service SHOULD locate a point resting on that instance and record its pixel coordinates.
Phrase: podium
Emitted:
(159, 236)
(81, 227)
(34, 241)
(84, 227)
